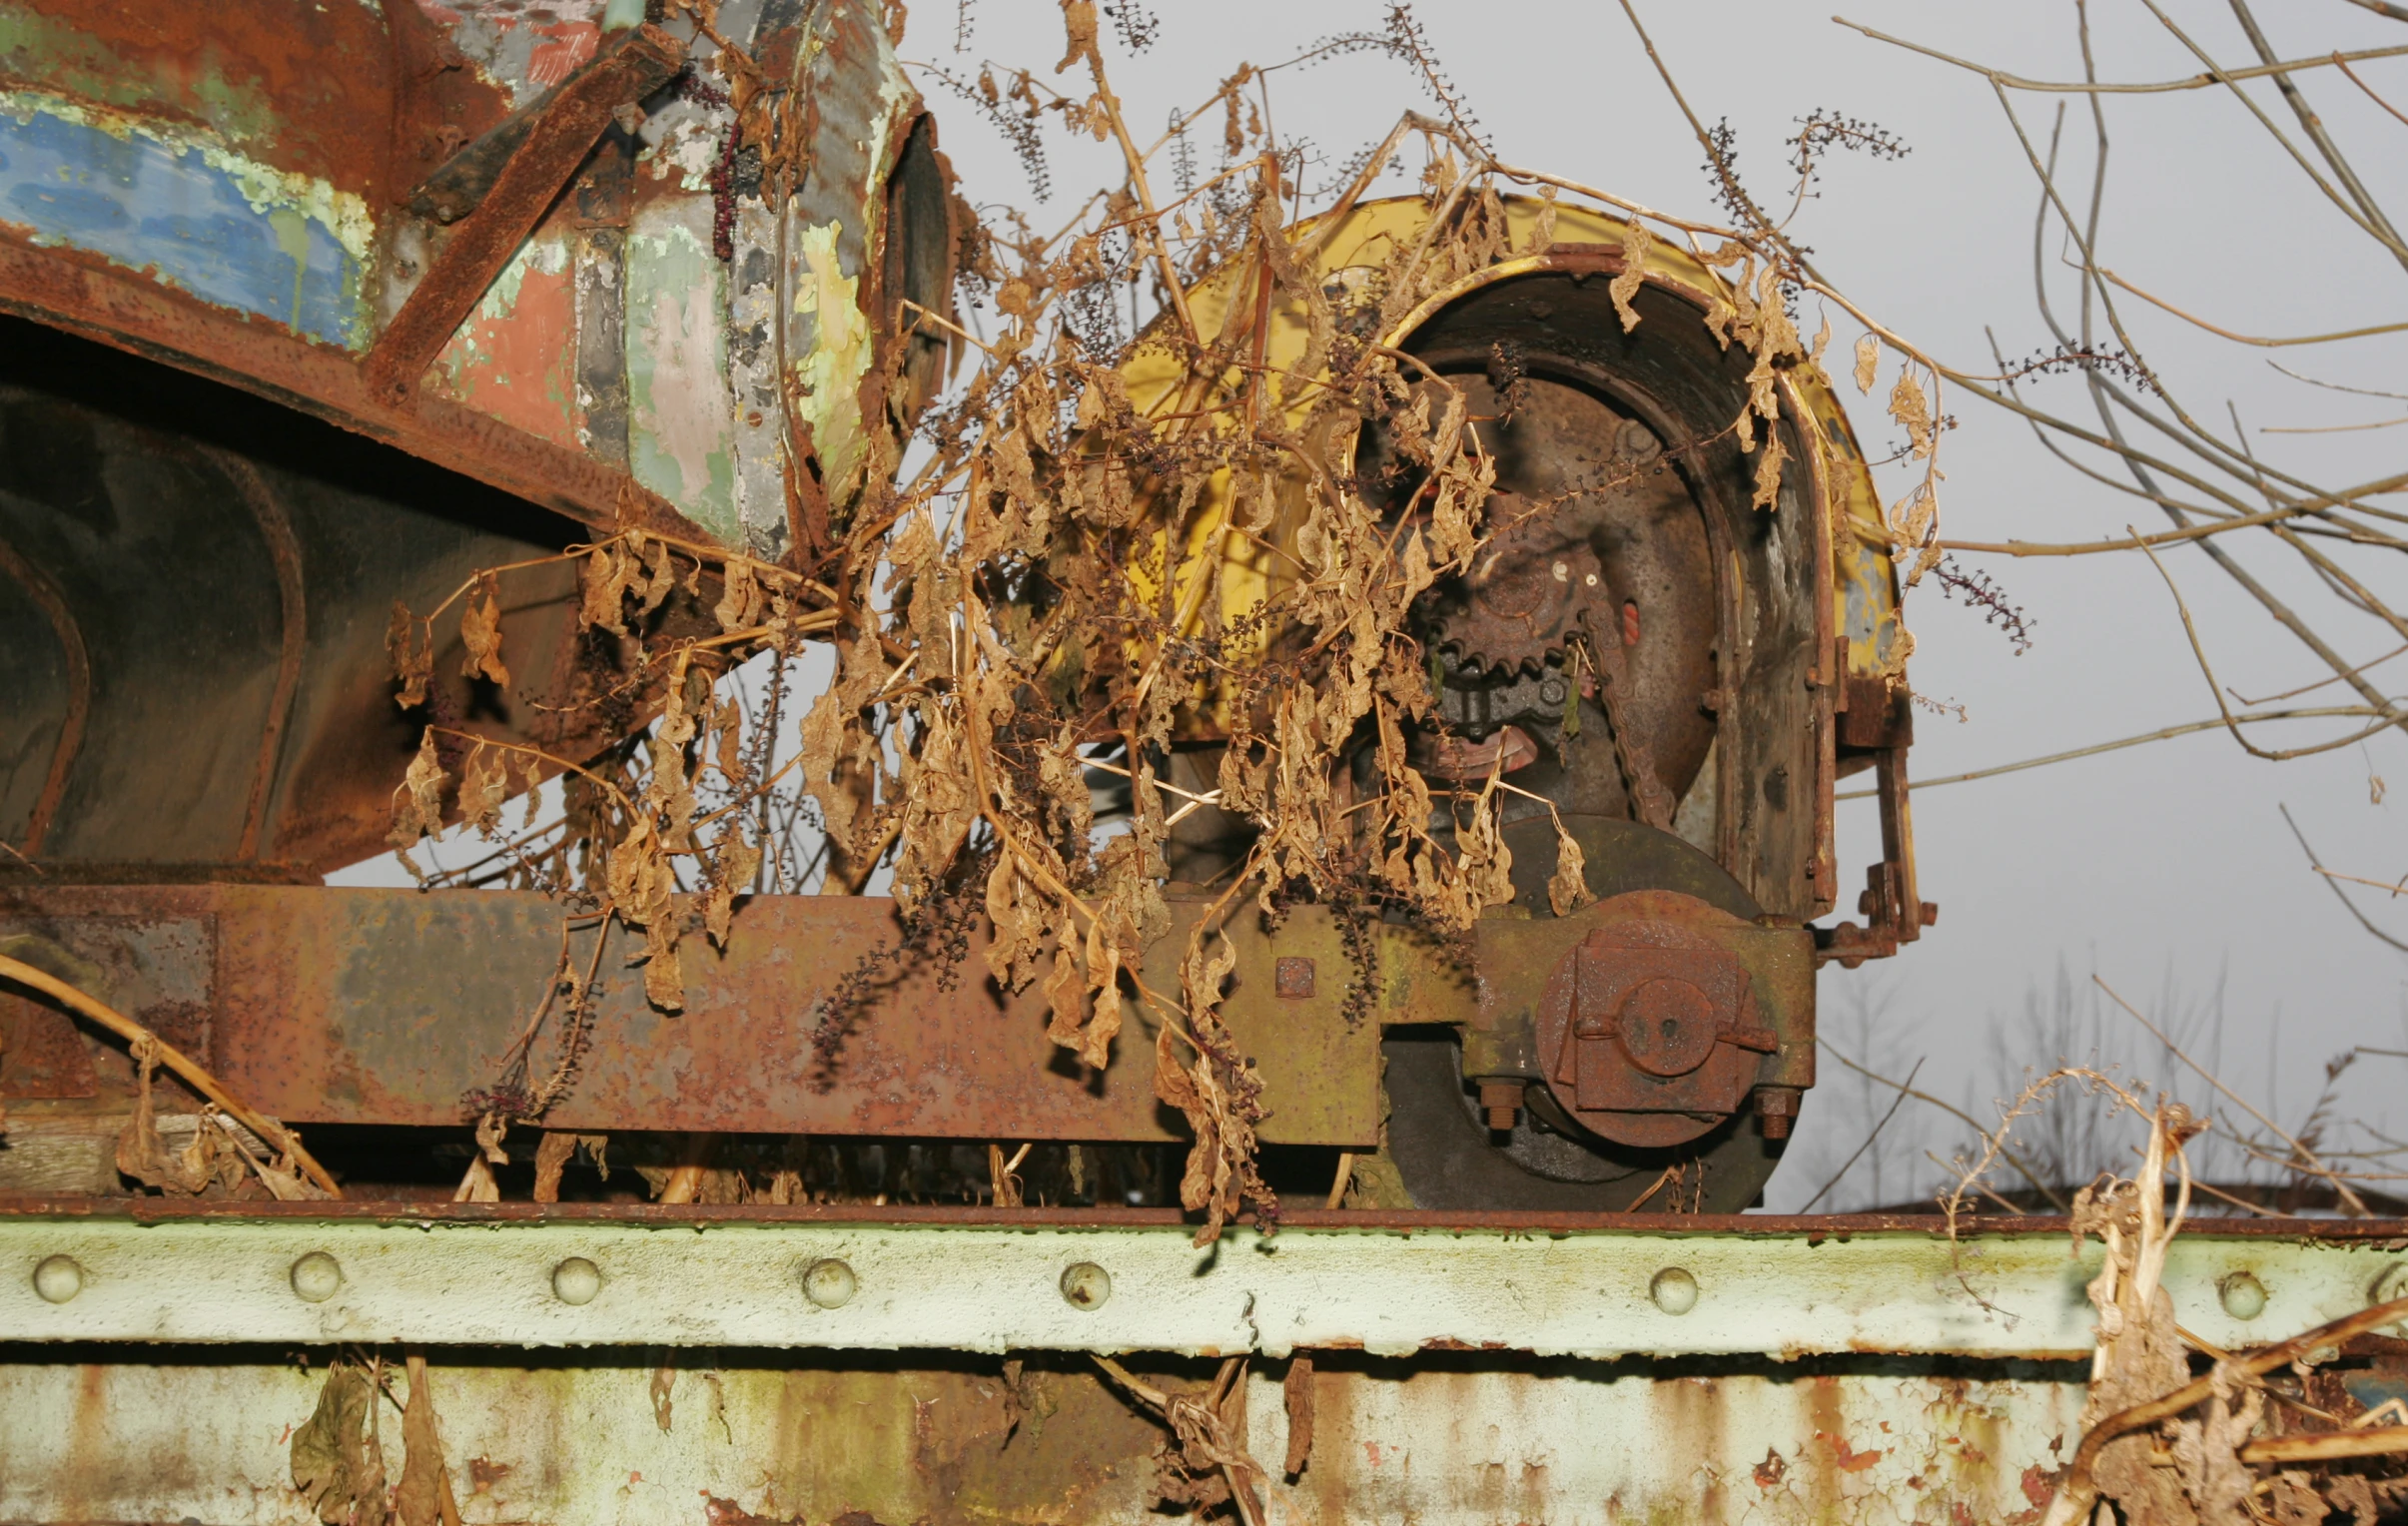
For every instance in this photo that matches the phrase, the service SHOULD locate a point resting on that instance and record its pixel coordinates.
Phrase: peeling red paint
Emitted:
(565, 45)
(520, 365)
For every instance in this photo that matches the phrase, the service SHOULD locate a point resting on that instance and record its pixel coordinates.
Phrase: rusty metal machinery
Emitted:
(310, 306)
(548, 292)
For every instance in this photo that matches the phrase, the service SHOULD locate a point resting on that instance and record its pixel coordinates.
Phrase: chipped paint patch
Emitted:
(519, 50)
(680, 413)
(69, 59)
(752, 371)
(837, 353)
(515, 356)
(227, 230)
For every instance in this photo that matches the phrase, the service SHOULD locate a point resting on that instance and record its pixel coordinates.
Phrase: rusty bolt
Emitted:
(1777, 1111)
(1291, 977)
(316, 1277)
(1674, 1290)
(576, 1280)
(1085, 1285)
(2243, 1296)
(58, 1278)
(830, 1283)
(1929, 914)
(1503, 1100)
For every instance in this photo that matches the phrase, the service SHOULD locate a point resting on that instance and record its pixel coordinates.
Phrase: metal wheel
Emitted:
(1445, 1155)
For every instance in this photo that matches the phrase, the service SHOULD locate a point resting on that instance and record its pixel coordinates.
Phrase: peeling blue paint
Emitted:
(239, 235)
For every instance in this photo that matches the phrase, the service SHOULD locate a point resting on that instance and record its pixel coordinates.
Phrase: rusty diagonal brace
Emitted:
(564, 132)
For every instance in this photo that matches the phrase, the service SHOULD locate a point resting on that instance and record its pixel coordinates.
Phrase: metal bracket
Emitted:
(523, 165)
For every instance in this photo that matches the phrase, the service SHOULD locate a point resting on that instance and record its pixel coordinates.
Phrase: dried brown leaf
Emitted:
(423, 1497)
(334, 1458)
(417, 806)
(1568, 888)
(483, 785)
(413, 664)
(480, 632)
(1636, 242)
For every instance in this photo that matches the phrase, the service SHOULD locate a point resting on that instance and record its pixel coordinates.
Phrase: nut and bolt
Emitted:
(58, 1278)
(576, 1280)
(1674, 1290)
(2243, 1296)
(830, 1283)
(1777, 1109)
(1085, 1285)
(1504, 1100)
(315, 1277)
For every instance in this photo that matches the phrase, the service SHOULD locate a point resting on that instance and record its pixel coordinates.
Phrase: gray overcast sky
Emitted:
(2161, 865)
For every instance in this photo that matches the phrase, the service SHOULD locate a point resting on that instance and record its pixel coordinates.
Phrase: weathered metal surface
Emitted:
(735, 1278)
(227, 188)
(230, 230)
(389, 1007)
(193, 663)
(1652, 1019)
(562, 131)
(729, 1441)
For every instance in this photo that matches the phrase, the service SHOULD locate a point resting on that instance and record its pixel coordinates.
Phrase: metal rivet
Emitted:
(58, 1279)
(1085, 1286)
(2243, 1296)
(576, 1280)
(316, 1277)
(830, 1283)
(1674, 1290)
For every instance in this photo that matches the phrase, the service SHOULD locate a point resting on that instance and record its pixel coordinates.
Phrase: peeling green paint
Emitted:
(680, 426)
(72, 62)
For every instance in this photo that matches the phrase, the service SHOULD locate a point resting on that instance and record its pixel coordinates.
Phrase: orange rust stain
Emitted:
(1770, 1472)
(1847, 1458)
(1371, 1451)
(519, 367)
(91, 1449)
(2040, 1484)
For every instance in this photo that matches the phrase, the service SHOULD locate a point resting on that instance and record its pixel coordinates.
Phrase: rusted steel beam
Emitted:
(393, 1007)
(562, 133)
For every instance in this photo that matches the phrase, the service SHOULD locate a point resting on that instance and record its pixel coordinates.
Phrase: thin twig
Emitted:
(2163, 733)
(2092, 87)
(2304, 1158)
(1905, 1090)
(174, 1058)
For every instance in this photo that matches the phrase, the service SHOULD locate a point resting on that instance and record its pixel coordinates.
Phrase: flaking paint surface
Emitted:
(829, 372)
(681, 417)
(523, 50)
(515, 356)
(949, 1440)
(188, 212)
